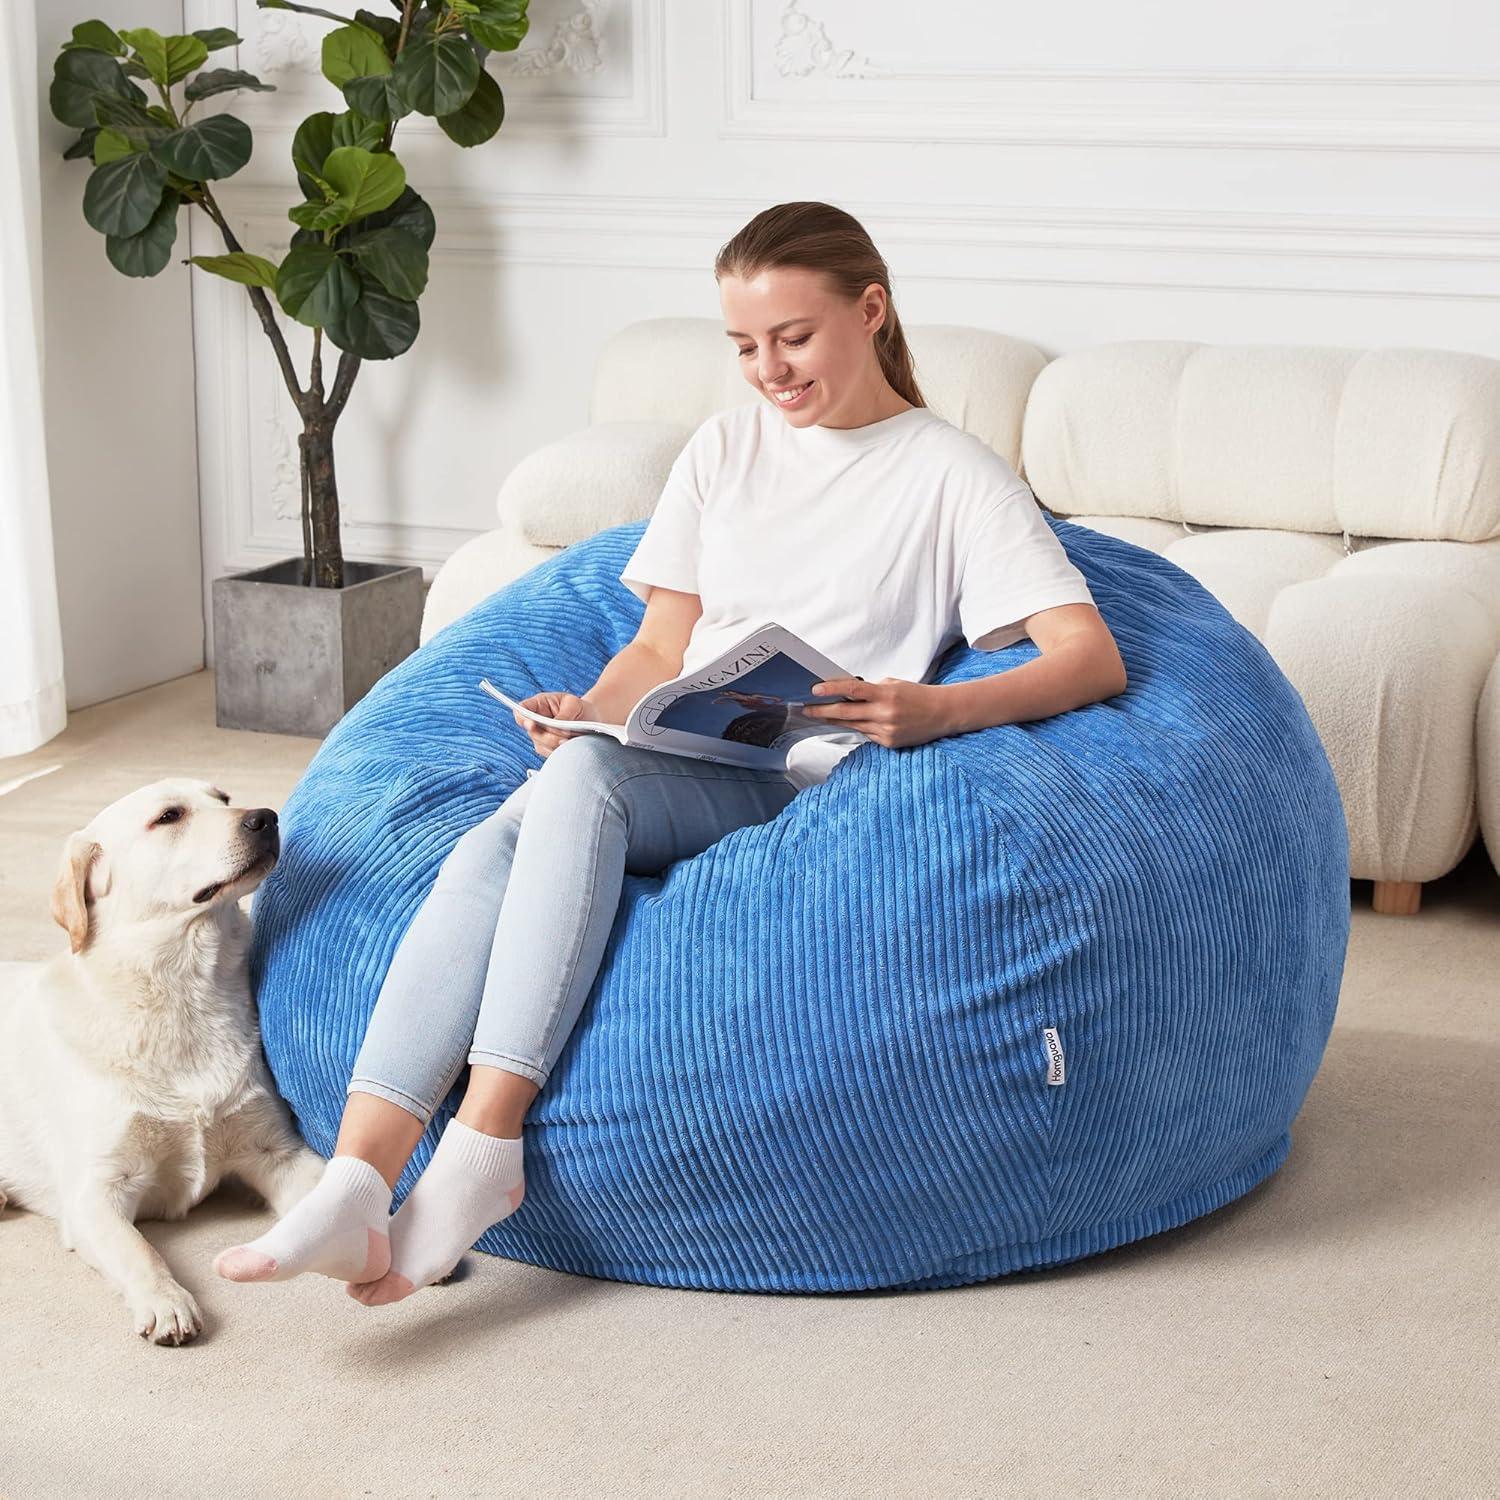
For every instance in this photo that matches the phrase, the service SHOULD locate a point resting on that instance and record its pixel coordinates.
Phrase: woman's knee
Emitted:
(483, 850)
(593, 759)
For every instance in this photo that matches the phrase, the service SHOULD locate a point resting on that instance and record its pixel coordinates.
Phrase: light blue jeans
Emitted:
(499, 959)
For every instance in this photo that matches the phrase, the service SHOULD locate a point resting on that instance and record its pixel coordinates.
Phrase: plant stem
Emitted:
(262, 305)
(312, 10)
(307, 540)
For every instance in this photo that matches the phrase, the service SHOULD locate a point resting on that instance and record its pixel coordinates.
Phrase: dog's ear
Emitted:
(71, 896)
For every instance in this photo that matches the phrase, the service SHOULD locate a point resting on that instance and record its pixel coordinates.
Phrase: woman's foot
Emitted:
(340, 1229)
(474, 1180)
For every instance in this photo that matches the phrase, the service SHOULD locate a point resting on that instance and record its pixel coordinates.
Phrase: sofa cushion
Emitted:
(1375, 442)
(601, 476)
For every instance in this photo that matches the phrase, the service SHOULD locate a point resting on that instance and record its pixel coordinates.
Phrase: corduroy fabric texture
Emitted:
(814, 1058)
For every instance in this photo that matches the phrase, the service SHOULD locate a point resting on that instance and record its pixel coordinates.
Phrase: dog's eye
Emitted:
(171, 815)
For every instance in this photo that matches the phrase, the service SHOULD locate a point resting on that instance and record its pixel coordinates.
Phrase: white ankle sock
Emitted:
(340, 1229)
(473, 1181)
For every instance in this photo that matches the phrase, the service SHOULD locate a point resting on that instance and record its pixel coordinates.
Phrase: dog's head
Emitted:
(176, 846)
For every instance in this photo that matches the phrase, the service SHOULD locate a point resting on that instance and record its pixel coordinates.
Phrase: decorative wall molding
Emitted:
(576, 46)
(775, 77)
(803, 47)
(282, 42)
(560, 86)
(285, 43)
(1337, 254)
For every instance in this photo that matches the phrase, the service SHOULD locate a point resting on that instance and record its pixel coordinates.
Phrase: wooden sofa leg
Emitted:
(1397, 898)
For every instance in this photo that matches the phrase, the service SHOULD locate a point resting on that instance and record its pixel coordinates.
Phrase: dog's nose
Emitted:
(258, 819)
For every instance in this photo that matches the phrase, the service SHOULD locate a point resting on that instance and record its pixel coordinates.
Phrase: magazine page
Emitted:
(581, 726)
(745, 706)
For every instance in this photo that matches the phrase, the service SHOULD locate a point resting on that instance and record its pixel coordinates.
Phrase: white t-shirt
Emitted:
(880, 545)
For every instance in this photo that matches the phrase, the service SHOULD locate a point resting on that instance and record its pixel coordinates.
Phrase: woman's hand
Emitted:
(545, 739)
(891, 712)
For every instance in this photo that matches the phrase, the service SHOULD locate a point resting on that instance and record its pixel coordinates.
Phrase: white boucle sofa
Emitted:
(1343, 504)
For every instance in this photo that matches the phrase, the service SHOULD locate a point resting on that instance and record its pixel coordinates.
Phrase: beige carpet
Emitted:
(1331, 1333)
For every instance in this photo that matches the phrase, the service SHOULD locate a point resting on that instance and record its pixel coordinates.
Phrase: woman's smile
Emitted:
(793, 400)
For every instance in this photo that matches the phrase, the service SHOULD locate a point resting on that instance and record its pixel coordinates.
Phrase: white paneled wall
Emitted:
(1319, 173)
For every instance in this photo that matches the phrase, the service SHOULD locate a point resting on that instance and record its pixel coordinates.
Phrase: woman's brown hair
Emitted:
(819, 237)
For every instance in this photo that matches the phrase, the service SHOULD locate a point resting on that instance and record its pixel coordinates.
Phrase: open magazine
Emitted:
(744, 707)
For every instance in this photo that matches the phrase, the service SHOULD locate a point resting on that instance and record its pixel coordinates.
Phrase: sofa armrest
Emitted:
(601, 476)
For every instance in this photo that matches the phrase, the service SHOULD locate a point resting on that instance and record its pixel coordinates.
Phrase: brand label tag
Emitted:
(1056, 1070)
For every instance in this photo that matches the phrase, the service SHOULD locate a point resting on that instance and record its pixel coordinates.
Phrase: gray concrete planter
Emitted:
(289, 659)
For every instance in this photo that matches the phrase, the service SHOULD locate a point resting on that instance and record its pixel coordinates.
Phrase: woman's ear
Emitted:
(71, 895)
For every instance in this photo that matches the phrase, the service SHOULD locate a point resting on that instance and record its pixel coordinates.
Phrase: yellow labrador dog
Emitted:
(131, 1074)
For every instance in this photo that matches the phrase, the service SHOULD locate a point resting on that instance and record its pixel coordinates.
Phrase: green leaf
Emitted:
(84, 145)
(396, 259)
(321, 133)
(310, 147)
(97, 35)
(437, 74)
(480, 118)
(353, 52)
(247, 269)
(500, 24)
(351, 128)
(80, 77)
(135, 122)
(110, 145)
(184, 53)
(387, 28)
(220, 80)
(378, 326)
(216, 147)
(409, 212)
(366, 181)
(216, 38)
(120, 197)
(376, 98)
(151, 47)
(144, 254)
(314, 216)
(314, 286)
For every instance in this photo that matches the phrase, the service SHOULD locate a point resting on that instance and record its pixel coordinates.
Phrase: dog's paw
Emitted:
(166, 1314)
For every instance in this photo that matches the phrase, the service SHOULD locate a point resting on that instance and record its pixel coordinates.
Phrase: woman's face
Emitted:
(826, 345)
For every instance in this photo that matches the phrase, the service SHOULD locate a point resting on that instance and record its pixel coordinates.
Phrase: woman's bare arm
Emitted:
(1079, 664)
(631, 672)
(654, 656)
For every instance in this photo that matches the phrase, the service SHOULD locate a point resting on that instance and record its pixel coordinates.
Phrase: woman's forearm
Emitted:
(628, 675)
(1069, 676)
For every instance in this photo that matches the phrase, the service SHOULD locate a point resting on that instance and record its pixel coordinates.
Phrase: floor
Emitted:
(1332, 1333)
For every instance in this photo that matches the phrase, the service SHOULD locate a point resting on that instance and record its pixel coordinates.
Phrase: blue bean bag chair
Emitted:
(1002, 1000)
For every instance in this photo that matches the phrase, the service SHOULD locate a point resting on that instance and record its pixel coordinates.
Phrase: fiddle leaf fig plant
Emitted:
(357, 262)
